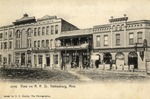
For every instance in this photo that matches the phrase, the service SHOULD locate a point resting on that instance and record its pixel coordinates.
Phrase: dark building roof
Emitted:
(24, 20)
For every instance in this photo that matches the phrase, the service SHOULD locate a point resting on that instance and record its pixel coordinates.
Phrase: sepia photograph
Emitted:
(68, 49)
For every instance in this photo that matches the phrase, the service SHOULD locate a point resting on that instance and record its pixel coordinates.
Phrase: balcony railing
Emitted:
(82, 46)
(82, 31)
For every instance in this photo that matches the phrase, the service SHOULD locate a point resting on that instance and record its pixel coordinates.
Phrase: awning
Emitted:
(132, 54)
(120, 55)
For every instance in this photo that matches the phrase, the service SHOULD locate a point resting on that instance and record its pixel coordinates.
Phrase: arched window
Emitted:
(47, 30)
(29, 31)
(47, 43)
(43, 30)
(18, 34)
(56, 29)
(119, 55)
(51, 42)
(35, 31)
(39, 31)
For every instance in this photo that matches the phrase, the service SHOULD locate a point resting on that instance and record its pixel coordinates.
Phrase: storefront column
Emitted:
(44, 60)
(79, 40)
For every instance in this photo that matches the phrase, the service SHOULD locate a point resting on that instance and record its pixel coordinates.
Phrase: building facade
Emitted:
(32, 42)
(53, 42)
(122, 41)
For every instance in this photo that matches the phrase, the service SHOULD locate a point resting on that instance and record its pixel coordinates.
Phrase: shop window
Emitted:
(40, 59)
(55, 59)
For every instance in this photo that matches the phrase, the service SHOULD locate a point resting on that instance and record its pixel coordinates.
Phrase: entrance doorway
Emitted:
(48, 60)
(22, 58)
(133, 59)
(107, 57)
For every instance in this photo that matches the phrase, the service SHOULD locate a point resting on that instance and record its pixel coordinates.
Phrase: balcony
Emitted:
(78, 32)
(42, 49)
(75, 47)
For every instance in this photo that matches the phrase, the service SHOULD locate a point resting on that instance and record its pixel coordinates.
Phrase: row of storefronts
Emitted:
(77, 48)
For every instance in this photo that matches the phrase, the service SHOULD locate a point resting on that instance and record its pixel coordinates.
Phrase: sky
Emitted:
(82, 13)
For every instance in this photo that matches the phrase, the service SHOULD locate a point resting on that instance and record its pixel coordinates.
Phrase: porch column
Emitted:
(63, 42)
(79, 41)
(71, 42)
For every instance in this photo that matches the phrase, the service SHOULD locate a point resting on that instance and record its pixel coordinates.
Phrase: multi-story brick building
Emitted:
(6, 44)
(122, 40)
(51, 41)
(31, 41)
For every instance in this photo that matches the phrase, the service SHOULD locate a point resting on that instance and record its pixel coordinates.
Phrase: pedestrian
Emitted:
(110, 64)
(97, 63)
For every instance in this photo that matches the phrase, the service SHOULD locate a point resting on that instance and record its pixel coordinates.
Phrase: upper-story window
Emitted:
(5, 45)
(10, 34)
(34, 43)
(0, 58)
(118, 27)
(43, 30)
(98, 38)
(139, 37)
(29, 32)
(131, 39)
(47, 30)
(122, 27)
(9, 57)
(56, 29)
(1, 35)
(42, 43)
(1, 45)
(105, 40)
(47, 43)
(5, 35)
(52, 29)
(39, 31)
(51, 42)
(117, 39)
(28, 42)
(35, 31)
(18, 34)
(17, 43)
(10, 45)
(38, 43)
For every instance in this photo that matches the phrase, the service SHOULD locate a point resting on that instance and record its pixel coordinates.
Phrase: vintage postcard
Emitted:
(74, 49)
